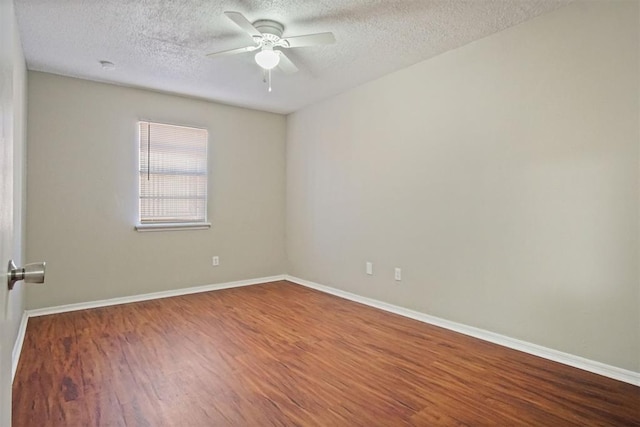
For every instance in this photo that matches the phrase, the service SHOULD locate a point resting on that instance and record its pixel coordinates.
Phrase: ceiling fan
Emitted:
(267, 38)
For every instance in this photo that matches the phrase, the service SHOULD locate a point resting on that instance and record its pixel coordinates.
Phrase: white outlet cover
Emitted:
(369, 268)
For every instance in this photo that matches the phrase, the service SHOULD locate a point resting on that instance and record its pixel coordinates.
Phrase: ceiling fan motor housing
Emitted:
(269, 28)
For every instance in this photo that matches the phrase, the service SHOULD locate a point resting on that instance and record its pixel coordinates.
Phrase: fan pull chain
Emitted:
(266, 77)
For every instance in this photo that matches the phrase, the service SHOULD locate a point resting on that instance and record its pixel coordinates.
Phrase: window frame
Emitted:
(169, 226)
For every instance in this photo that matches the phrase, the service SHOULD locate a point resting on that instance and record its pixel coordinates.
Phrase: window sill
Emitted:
(173, 226)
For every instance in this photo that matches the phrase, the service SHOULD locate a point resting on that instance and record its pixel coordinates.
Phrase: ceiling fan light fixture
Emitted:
(268, 58)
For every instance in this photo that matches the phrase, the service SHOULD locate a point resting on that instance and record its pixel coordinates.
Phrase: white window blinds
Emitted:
(173, 174)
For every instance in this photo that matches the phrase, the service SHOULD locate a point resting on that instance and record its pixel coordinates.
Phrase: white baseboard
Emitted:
(17, 346)
(145, 297)
(599, 368)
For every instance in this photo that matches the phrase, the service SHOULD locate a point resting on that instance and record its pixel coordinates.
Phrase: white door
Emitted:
(6, 201)
(6, 239)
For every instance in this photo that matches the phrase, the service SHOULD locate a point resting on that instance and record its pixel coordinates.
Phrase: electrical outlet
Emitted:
(398, 274)
(215, 261)
(369, 268)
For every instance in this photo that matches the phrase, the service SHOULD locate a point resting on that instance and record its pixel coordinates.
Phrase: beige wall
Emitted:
(502, 177)
(82, 194)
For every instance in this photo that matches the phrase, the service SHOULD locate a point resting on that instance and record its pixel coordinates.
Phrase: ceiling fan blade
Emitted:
(309, 40)
(286, 65)
(243, 23)
(232, 51)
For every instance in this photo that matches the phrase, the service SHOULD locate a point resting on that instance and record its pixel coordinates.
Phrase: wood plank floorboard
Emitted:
(279, 354)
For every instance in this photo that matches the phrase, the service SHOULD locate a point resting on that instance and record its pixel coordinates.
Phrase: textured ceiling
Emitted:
(161, 44)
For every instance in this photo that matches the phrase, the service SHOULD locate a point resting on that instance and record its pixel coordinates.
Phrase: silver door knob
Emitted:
(30, 273)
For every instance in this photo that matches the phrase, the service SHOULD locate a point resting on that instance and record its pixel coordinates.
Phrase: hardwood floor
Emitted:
(283, 355)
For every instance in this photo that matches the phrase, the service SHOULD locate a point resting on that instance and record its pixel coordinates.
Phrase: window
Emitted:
(172, 177)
